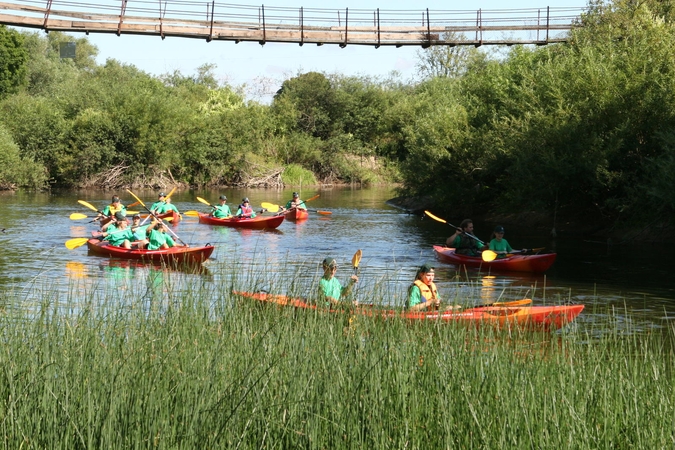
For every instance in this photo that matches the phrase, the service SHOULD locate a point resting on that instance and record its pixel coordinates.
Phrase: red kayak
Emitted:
(513, 263)
(257, 223)
(178, 254)
(296, 214)
(541, 318)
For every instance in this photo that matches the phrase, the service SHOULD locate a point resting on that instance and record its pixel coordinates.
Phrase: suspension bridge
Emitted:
(211, 20)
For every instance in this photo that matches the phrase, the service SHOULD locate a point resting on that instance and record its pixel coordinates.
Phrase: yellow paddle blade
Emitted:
(88, 205)
(201, 200)
(356, 259)
(312, 198)
(271, 207)
(191, 213)
(133, 212)
(77, 216)
(438, 219)
(77, 242)
(523, 302)
(488, 255)
(137, 199)
(171, 193)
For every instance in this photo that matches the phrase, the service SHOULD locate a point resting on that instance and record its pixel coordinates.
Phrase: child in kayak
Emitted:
(501, 246)
(222, 211)
(245, 210)
(294, 203)
(330, 289)
(423, 294)
(157, 236)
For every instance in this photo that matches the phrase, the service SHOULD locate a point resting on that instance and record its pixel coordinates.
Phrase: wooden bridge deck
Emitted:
(211, 20)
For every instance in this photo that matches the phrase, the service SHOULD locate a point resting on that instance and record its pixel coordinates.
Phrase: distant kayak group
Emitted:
(150, 238)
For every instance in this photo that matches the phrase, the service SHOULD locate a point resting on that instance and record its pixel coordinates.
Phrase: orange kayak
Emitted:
(296, 214)
(541, 318)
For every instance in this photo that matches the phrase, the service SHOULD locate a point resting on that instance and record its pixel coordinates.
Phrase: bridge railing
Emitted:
(213, 20)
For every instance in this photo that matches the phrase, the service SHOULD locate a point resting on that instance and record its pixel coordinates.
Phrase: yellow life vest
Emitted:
(429, 292)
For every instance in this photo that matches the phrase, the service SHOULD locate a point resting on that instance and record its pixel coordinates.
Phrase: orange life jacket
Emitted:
(429, 292)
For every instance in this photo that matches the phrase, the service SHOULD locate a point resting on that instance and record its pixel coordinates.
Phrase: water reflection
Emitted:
(288, 259)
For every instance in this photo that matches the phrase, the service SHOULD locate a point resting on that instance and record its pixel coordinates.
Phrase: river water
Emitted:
(35, 261)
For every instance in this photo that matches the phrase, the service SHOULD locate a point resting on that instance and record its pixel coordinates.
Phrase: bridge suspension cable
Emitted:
(211, 20)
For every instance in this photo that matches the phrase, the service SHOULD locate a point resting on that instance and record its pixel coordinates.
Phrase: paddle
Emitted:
(523, 302)
(90, 206)
(271, 207)
(79, 242)
(489, 255)
(78, 216)
(438, 219)
(156, 218)
(356, 259)
(191, 213)
(164, 201)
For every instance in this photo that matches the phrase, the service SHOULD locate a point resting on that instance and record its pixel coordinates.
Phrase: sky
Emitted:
(263, 68)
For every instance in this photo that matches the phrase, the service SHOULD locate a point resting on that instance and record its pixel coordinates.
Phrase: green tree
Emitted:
(13, 59)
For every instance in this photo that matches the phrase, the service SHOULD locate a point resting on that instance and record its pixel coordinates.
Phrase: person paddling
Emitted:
(159, 204)
(245, 210)
(222, 211)
(114, 207)
(499, 245)
(158, 237)
(118, 234)
(464, 242)
(295, 203)
(331, 291)
(423, 293)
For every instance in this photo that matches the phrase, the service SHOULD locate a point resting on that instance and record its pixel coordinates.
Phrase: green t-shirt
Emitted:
(157, 239)
(107, 211)
(415, 296)
(330, 288)
(140, 232)
(500, 246)
(166, 207)
(221, 212)
(117, 237)
(301, 205)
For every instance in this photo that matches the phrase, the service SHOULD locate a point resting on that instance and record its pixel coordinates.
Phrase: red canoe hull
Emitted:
(296, 215)
(173, 255)
(258, 223)
(535, 318)
(515, 263)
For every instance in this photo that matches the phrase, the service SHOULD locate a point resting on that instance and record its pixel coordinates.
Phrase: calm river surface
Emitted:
(34, 259)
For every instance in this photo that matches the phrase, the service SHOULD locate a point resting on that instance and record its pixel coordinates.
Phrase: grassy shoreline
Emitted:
(206, 370)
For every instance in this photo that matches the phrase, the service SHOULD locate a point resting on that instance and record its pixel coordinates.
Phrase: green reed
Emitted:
(193, 368)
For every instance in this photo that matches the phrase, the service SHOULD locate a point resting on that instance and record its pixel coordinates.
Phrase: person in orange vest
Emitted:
(423, 294)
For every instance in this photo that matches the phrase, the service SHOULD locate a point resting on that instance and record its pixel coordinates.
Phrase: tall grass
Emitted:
(208, 370)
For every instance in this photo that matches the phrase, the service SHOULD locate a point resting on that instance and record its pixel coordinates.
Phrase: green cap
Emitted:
(329, 262)
(425, 268)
